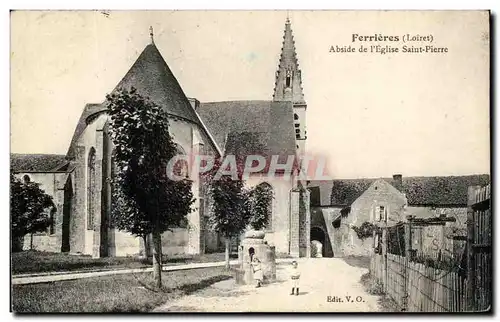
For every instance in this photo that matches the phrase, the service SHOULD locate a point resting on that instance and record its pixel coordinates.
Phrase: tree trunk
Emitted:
(31, 241)
(17, 244)
(147, 240)
(146, 252)
(228, 248)
(157, 258)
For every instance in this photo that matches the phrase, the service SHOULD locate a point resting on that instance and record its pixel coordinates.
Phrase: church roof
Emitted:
(420, 191)
(37, 162)
(251, 127)
(152, 78)
(88, 110)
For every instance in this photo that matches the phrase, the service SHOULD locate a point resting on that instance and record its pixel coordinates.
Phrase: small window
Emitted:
(297, 136)
(297, 130)
(295, 116)
(297, 124)
(381, 215)
(288, 81)
(26, 178)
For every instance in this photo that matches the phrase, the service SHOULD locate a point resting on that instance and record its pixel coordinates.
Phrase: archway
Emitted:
(317, 234)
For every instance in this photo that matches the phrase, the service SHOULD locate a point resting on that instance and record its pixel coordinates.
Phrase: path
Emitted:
(65, 276)
(321, 277)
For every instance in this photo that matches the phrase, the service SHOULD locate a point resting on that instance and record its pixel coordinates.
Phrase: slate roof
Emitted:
(38, 162)
(431, 191)
(251, 127)
(88, 110)
(153, 79)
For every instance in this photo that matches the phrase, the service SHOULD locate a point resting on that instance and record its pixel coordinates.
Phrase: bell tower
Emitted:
(288, 87)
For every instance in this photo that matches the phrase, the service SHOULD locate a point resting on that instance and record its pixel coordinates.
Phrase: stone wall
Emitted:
(379, 194)
(431, 239)
(279, 235)
(52, 183)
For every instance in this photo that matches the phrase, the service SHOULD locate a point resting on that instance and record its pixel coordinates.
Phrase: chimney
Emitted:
(194, 103)
(398, 182)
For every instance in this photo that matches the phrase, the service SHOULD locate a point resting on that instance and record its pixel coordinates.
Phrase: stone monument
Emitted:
(254, 245)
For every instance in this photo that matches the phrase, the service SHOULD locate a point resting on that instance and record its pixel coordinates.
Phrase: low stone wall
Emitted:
(42, 242)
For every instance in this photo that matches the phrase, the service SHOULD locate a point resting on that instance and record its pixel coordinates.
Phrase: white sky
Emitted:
(370, 115)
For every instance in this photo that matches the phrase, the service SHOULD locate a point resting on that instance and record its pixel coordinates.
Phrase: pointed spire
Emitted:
(288, 86)
(152, 78)
(151, 34)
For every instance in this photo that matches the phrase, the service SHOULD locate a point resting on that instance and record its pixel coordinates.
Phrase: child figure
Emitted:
(295, 277)
(257, 271)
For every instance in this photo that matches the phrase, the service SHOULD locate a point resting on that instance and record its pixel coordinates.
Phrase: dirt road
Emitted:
(327, 285)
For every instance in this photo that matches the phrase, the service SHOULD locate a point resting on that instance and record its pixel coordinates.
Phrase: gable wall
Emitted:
(380, 193)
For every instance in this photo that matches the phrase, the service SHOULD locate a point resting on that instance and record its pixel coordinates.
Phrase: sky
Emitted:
(370, 115)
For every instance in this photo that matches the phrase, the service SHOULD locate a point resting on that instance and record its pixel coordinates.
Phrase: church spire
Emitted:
(288, 85)
(151, 35)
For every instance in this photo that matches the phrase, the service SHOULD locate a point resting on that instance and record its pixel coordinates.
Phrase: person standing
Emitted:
(295, 277)
(257, 271)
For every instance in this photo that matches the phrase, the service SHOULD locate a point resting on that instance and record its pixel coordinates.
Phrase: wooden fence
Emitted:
(479, 252)
(433, 285)
(415, 287)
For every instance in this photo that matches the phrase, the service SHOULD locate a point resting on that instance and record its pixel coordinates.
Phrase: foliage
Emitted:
(29, 208)
(365, 230)
(443, 263)
(396, 240)
(260, 203)
(145, 199)
(230, 207)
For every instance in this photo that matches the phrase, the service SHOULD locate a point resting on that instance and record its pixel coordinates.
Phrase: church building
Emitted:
(80, 180)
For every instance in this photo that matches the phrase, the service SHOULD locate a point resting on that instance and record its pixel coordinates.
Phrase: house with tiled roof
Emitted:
(80, 185)
(339, 205)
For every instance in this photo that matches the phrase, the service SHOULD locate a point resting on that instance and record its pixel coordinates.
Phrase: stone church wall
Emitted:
(53, 184)
(278, 235)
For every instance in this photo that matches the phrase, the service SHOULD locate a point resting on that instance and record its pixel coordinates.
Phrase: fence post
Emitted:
(471, 200)
(384, 258)
(406, 261)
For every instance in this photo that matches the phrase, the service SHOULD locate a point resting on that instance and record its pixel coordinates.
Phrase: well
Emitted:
(254, 245)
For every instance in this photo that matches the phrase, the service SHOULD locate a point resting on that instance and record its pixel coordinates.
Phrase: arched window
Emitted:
(90, 189)
(26, 178)
(288, 81)
(267, 187)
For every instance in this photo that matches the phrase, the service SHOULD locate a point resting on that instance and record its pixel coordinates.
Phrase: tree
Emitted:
(230, 211)
(30, 207)
(260, 202)
(147, 200)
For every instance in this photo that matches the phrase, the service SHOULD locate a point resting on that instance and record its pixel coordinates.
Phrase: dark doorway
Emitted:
(68, 196)
(251, 253)
(319, 235)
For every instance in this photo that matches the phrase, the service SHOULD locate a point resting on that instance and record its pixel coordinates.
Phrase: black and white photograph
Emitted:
(250, 161)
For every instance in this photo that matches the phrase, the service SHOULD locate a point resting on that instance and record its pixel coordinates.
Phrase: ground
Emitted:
(115, 293)
(321, 278)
